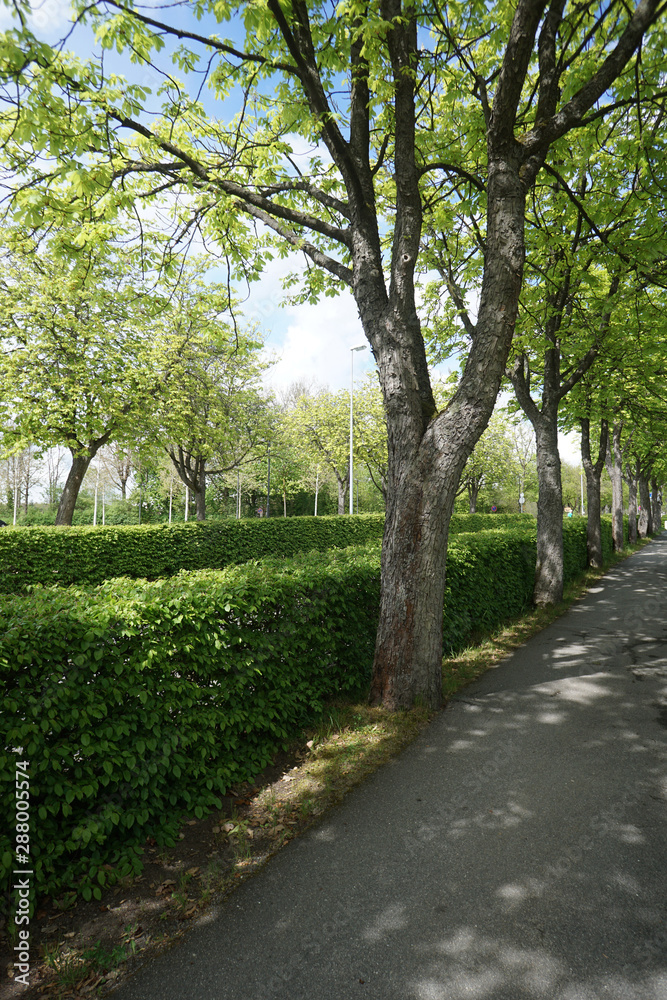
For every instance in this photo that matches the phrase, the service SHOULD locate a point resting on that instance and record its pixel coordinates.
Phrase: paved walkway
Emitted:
(516, 851)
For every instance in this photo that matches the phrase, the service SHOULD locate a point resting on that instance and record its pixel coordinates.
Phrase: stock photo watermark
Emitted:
(22, 872)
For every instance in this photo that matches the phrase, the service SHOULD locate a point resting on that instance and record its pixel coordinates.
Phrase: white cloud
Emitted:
(46, 17)
(312, 342)
(317, 344)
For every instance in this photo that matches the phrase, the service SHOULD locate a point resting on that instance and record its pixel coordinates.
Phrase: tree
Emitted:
(119, 462)
(623, 392)
(54, 458)
(379, 93)
(593, 471)
(79, 353)
(213, 415)
(321, 422)
(370, 433)
(557, 375)
(490, 463)
(523, 453)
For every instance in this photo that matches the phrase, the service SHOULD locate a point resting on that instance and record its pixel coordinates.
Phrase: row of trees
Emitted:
(514, 149)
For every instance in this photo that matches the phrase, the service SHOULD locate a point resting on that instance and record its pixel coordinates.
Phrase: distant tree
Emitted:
(322, 423)
(213, 416)
(79, 355)
(491, 462)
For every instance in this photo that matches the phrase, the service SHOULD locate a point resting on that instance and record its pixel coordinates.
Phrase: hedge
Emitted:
(138, 701)
(484, 522)
(90, 555)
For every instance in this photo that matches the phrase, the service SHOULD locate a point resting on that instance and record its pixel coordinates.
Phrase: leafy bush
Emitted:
(90, 555)
(490, 577)
(575, 551)
(484, 522)
(136, 702)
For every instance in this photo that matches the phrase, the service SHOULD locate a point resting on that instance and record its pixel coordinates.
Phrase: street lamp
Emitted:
(268, 478)
(361, 347)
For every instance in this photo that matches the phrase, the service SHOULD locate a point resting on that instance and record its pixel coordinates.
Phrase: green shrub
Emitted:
(575, 552)
(89, 555)
(490, 577)
(136, 702)
(484, 522)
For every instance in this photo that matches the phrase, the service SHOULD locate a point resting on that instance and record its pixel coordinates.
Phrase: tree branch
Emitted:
(214, 43)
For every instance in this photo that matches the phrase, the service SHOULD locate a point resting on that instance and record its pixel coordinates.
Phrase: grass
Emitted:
(79, 969)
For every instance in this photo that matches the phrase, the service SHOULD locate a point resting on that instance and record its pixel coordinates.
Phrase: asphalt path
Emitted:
(515, 851)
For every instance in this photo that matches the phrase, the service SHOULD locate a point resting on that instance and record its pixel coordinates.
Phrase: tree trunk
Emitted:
(593, 473)
(342, 494)
(631, 480)
(615, 469)
(549, 572)
(71, 489)
(409, 638)
(427, 450)
(200, 504)
(473, 492)
(645, 501)
(200, 492)
(655, 506)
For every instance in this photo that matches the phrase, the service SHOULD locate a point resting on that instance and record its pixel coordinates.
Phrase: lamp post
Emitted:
(361, 347)
(268, 478)
(97, 488)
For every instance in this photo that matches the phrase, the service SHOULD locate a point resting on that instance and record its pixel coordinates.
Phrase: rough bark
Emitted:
(645, 517)
(615, 470)
(549, 571)
(593, 471)
(631, 480)
(70, 493)
(655, 506)
(427, 451)
(549, 568)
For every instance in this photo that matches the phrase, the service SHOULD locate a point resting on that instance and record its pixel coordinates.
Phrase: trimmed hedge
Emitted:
(138, 701)
(485, 522)
(90, 555)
